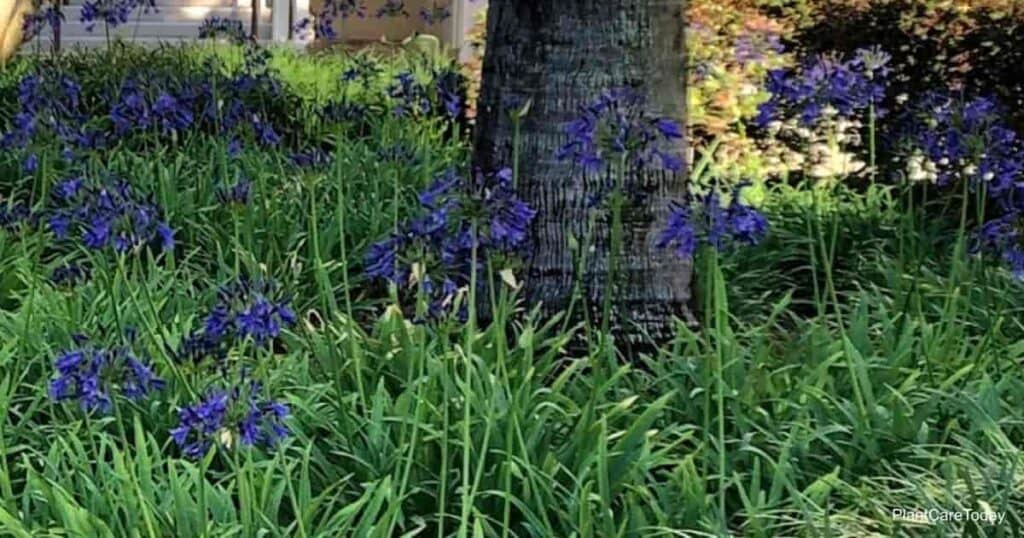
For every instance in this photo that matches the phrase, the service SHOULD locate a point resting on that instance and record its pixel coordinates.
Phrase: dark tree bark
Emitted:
(561, 55)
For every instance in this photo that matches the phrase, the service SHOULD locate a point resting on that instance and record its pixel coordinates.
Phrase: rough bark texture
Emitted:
(562, 54)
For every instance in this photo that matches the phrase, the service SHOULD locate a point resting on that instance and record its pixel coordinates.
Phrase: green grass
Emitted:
(824, 414)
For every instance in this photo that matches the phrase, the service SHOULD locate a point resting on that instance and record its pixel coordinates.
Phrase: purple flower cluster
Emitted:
(966, 139)
(410, 96)
(35, 22)
(708, 221)
(1001, 237)
(247, 103)
(110, 214)
(146, 104)
(93, 374)
(142, 107)
(825, 83)
(239, 193)
(240, 412)
(246, 310)
(617, 125)
(433, 252)
(217, 27)
(112, 13)
(450, 90)
(31, 164)
(50, 102)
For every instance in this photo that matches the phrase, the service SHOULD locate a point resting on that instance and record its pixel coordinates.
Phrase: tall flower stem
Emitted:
(467, 387)
(343, 242)
(615, 246)
(395, 200)
(201, 482)
(442, 498)
(955, 286)
(581, 268)
(872, 143)
(328, 302)
(827, 250)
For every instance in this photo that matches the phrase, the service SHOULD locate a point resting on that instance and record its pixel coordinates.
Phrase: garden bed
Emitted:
(234, 299)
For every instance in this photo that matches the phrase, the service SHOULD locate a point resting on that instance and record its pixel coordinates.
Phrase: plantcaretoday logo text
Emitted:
(936, 515)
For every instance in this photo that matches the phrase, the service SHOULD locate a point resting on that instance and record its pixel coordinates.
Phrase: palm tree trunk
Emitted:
(561, 55)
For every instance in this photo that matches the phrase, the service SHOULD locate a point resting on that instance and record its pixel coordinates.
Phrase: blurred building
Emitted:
(279, 21)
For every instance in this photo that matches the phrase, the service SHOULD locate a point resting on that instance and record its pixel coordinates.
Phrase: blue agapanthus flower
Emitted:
(246, 310)
(34, 23)
(382, 261)
(112, 13)
(679, 232)
(239, 413)
(93, 375)
(619, 125)
(132, 110)
(234, 148)
(824, 83)
(198, 424)
(707, 220)
(171, 114)
(450, 86)
(965, 139)
(263, 320)
(104, 215)
(432, 252)
(47, 103)
(508, 216)
(364, 69)
(239, 193)
(409, 95)
(217, 27)
(1001, 237)
(265, 132)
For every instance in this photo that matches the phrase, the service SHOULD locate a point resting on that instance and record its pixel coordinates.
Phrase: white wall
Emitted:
(464, 13)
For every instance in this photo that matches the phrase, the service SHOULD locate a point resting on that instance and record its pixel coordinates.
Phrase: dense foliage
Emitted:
(255, 292)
